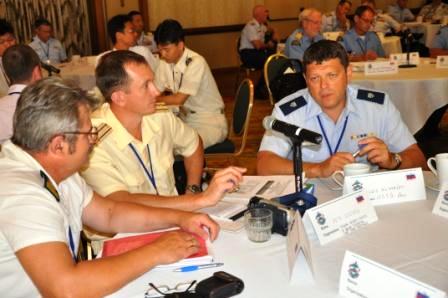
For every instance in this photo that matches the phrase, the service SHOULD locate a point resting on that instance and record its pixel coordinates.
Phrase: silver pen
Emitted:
(356, 153)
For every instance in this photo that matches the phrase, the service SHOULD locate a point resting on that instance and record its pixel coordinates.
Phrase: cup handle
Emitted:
(430, 166)
(335, 175)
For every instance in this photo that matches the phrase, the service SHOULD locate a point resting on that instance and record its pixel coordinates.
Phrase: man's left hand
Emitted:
(196, 222)
(377, 152)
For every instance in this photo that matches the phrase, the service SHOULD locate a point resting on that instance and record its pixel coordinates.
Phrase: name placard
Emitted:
(296, 241)
(389, 187)
(361, 277)
(401, 58)
(442, 62)
(341, 216)
(441, 205)
(379, 68)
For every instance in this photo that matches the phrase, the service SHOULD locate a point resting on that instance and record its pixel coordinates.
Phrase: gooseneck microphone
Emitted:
(50, 68)
(291, 131)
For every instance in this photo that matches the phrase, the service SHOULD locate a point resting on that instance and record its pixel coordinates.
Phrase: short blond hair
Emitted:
(306, 13)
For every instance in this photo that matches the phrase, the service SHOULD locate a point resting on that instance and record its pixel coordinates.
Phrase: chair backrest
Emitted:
(244, 99)
(275, 65)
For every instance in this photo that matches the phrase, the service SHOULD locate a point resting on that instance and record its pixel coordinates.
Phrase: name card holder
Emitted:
(442, 62)
(361, 277)
(441, 204)
(380, 68)
(401, 58)
(340, 216)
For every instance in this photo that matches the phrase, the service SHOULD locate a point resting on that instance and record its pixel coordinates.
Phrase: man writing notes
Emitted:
(44, 204)
(349, 118)
(361, 43)
(186, 80)
(133, 159)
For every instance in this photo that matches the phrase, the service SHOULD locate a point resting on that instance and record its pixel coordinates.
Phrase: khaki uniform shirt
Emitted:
(114, 167)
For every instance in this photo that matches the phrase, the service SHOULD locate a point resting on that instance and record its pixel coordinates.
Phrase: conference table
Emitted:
(407, 237)
(81, 72)
(416, 92)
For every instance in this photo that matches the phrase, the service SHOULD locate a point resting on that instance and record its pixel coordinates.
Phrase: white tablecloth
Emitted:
(82, 73)
(407, 237)
(416, 92)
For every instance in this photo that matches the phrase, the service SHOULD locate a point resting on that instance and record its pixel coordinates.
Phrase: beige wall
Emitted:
(220, 49)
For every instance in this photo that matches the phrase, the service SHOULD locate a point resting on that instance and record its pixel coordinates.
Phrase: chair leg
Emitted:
(237, 81)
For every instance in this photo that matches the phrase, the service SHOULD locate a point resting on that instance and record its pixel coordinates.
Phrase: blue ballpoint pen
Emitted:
(197, 267)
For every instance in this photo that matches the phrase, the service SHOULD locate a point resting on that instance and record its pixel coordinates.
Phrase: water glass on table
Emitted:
(258, 224)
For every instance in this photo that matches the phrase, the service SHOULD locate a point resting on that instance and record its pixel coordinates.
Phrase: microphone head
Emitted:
(267, 122)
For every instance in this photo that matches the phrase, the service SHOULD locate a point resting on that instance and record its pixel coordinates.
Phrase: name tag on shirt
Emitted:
(442, 62)
(341, 216)
(388, 187)
(362, 277)
(401, 58)
(441, 205)
(379, 68)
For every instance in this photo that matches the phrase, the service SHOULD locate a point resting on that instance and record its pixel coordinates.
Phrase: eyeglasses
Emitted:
(314, 22)
(92, 134)
(367, 20)
(162, 290)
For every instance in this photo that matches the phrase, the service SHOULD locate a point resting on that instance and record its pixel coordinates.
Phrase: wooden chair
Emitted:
(239, 124)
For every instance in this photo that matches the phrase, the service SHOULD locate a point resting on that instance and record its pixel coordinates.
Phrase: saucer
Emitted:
(431, 180)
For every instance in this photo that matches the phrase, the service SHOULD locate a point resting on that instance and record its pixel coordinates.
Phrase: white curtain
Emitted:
(70, 20)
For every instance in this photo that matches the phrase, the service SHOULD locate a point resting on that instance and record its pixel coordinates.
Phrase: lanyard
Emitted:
(180, 82)
(150, 175)
(326, 138)
(47, 52)
(360, 42)
(52, 189)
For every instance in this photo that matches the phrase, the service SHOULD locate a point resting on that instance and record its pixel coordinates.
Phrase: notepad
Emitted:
(114, 247)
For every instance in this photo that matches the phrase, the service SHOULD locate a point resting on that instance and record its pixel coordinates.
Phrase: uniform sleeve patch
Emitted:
(293, 105)
(372, 96)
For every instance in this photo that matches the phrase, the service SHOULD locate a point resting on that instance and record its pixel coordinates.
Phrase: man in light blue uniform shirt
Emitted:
(310, 22)
(337, 20)
(400, 12)
(440, 43)
(49, 49)
(359, 42)
(349, 118)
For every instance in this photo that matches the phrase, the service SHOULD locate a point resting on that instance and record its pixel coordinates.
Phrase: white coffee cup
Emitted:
(350, 169)
(441, 169)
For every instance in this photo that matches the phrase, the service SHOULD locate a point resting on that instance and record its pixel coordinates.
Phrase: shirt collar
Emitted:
(16, 88)
(39, 40)
(121, 136)
(181, 65)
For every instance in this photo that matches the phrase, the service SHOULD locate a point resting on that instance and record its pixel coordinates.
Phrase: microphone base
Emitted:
(300, 201)
(407, 66)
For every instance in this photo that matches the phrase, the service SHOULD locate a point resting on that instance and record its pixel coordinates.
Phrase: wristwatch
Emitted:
(398, 161)
(194, 188)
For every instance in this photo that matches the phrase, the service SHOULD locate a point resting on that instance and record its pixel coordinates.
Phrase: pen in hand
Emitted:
(197, 267)
(356, 153)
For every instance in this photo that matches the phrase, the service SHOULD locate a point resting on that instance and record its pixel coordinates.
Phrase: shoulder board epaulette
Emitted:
(372, 96)
(103, 131)
(48, 185)
(292, 105)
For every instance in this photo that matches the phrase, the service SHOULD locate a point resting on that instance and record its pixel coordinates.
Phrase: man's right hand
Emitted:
(223, 181)
(174, 246)
(334, 163)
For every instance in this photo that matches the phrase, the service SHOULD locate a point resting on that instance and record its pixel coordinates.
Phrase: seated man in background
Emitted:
(440, 43)
(383, 22)
(257, 43)
(7, 39)
(400, 12)
(142, 38)
(186, 80)
(44, 204)
(360, 43)
(434, 11)
(49, 49)
(337, 20)
(123, 35)
(310, 22)
(22, 66)
(349, 118)
(133, 160)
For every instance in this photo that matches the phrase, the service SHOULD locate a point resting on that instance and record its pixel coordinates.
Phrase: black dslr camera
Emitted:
(281, 214)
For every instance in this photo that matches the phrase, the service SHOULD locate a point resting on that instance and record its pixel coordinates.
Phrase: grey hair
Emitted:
(306, 13)
(45, 109)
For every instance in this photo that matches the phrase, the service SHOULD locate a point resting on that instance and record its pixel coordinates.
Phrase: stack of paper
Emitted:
(119, 246)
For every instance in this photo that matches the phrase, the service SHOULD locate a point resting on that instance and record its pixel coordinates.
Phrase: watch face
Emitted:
(194, 188)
